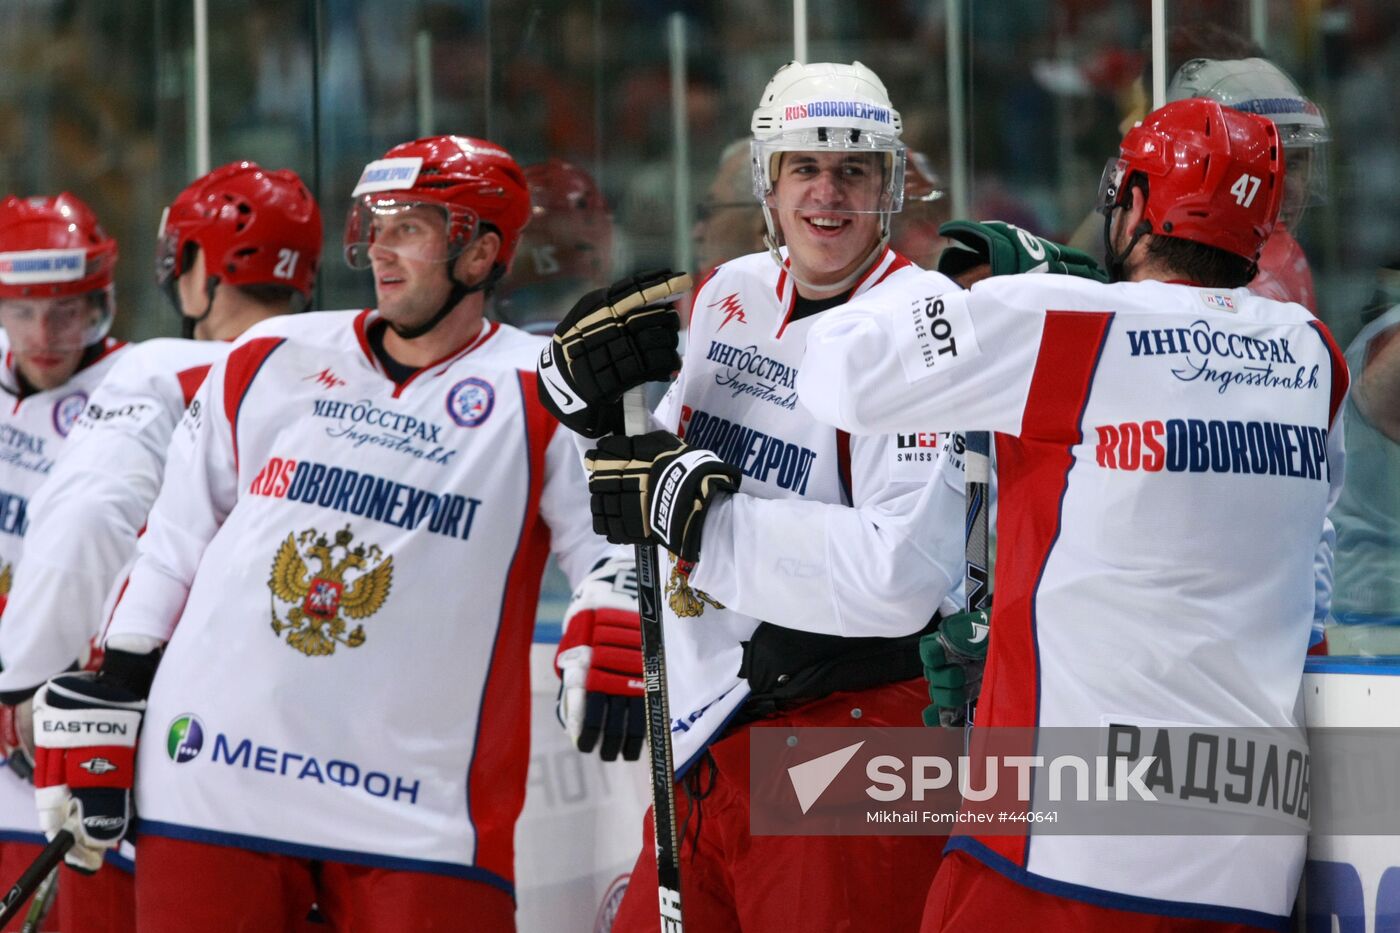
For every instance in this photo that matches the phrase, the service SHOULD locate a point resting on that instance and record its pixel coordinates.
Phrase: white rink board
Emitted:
(582, 826)
(1362, 872)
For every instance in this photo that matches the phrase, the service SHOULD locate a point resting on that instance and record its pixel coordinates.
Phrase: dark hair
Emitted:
(283, 296)
(1197, 262)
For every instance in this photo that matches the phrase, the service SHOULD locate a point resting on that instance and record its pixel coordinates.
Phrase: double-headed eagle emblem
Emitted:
(686, 601)
(313, 624)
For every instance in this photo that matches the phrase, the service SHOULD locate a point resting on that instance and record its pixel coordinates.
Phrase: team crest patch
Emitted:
(66, 411)
(347, 582)
(470, 402)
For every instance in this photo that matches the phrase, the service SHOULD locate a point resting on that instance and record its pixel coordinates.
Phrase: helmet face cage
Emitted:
(409, 226)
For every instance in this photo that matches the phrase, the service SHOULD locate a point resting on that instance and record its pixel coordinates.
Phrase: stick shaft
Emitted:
(663, 783)
(34, 875)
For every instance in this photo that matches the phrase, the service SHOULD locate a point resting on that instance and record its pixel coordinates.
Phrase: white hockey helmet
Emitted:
(1258, 86)
(827, 107)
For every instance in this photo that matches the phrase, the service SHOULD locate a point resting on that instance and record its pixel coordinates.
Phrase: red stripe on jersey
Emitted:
(875, 268)
(501, 752)
(243, 366)
(361, 328)
(843, 465)
(109, 346)
(1341, 376)
(487, 331)
(899, 263)
(190, 380)
(1033, 474)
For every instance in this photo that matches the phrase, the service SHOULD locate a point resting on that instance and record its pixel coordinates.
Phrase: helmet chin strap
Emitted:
(771, 241)
(459, 291)
(1114, 260)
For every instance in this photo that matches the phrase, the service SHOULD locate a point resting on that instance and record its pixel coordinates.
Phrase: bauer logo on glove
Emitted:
(614, 339)
(655, 489)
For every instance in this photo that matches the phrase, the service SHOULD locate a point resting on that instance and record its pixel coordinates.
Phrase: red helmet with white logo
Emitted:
(566, 250)
(254, 226)
(52, 247)
(1214, 175)
(569, 217)
(474, 181)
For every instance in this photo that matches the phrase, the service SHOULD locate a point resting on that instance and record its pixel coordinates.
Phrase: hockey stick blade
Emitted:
(34, 875)
(663, 771)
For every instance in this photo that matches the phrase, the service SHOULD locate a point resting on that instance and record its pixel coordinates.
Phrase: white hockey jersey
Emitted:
(354, 567)
(1166, 455)
(828, 533)
(33, 430)
(84, 520)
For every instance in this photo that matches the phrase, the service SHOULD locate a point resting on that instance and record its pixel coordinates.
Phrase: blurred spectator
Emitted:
(565, 251)
(1366, 599)
(914, 230)
(728, 220)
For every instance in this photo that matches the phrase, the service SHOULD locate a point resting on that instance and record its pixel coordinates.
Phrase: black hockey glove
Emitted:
(613, 339)
(1009, 250)
(954, 656)
(654, 489)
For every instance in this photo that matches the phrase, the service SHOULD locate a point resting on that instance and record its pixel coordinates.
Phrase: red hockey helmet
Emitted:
(473, 181)
(570, 234)
(53, 247)
(1214, 175)
(254, 226)
(566, 250)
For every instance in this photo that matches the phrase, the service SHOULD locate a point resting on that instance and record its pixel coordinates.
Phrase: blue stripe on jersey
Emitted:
(1184, 910)
(322, 853)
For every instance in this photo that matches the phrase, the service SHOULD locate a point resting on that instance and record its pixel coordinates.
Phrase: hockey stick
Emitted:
(977, 475)
(35, 874)
(39, 907)
(663, 772)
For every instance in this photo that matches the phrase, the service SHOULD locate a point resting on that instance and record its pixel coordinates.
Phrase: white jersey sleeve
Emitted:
(875, 568)
(86, 518)
(565, 509)
(898, 357)
(199, 491)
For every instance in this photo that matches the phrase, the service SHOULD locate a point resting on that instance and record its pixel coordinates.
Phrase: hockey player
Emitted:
(1166, 450)
(823, 556)
(565, 250)
(56, 306)
(237, 246)
(1257, 85)
(341, 569)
